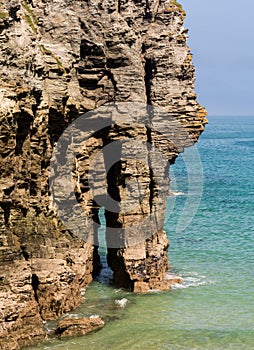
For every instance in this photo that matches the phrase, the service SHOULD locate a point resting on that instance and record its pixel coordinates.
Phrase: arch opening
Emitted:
(101, 271)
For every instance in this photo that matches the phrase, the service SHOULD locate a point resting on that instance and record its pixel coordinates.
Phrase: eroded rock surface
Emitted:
(60, 59)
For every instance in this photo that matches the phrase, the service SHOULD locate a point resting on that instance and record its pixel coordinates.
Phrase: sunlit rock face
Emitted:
(59, 60)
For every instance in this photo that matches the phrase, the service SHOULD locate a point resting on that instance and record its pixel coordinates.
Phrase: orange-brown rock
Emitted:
(58, 60)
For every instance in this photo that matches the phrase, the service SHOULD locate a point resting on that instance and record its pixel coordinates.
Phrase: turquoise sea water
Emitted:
(214, 308)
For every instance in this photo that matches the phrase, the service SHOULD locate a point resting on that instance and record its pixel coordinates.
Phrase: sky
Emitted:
(221, 38)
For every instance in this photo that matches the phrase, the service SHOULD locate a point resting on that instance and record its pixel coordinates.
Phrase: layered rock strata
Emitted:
(60, 59)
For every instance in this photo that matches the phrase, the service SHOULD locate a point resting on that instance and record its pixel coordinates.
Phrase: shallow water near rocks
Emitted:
(213, 309)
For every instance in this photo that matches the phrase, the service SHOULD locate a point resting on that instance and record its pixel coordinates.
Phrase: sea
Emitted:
(210, 224)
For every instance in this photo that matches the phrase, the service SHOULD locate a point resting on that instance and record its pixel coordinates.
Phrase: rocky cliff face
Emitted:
(60, 59)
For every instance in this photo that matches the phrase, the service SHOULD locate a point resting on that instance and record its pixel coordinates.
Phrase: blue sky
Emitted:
(221, 38)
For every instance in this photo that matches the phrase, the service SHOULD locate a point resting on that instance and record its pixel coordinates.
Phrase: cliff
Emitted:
(59, 60)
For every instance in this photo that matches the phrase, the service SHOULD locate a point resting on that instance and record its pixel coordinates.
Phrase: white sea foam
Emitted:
(176, 193)
(154, 291)
(83, 292)
(192, 281)
(121, 302)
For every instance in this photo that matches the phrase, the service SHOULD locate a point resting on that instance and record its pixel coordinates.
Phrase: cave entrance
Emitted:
(102, 271)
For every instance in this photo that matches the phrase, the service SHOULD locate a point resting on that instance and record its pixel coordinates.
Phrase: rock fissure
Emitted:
(148, 14)
(35, 285)
(149, 69)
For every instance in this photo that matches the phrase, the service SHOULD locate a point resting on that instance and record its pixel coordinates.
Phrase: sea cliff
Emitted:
(59, 60)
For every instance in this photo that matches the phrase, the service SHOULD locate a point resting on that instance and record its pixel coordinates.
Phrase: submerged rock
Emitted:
(74, 327)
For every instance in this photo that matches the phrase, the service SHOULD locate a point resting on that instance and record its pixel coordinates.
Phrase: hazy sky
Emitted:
(221, 38)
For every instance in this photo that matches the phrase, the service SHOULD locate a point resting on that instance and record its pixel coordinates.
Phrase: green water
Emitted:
(214, 308)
